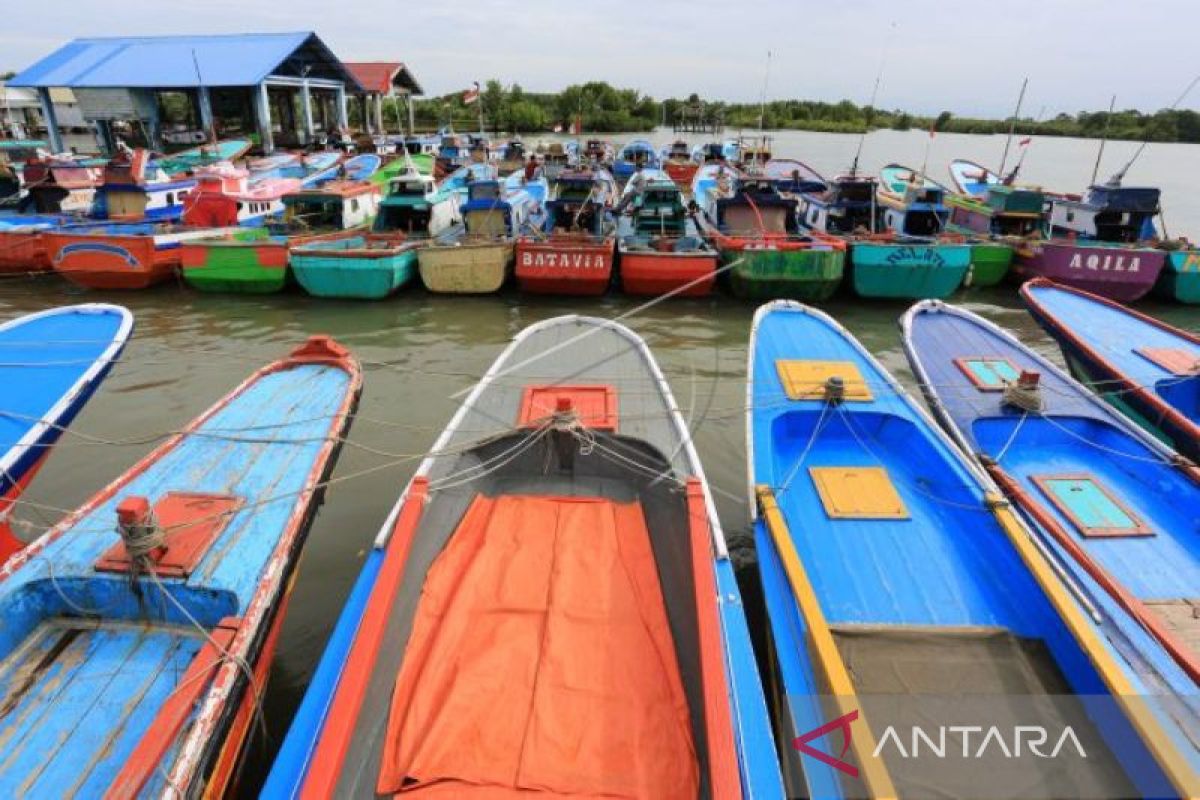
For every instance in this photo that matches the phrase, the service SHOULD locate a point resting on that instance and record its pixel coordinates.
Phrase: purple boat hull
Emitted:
(1121, 273)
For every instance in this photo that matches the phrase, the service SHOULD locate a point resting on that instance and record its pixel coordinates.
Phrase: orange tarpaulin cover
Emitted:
(541, 661)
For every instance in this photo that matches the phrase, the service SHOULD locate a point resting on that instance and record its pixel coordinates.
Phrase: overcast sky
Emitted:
(962, 55)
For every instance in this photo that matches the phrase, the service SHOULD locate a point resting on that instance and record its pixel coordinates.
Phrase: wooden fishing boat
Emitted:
(224, 196)
(558, 157)
(634, 154)
(749, 222)
(245, 260)
(276, 165)
(133, 188)
(476, 257)
(120, 255)
(364, 266)
(1095, 242)
(991, 213)
(184, 566)
(1180, 276)
(1120, 272)
(415, 205)
(61, 183)
(793, 178)
(1111, 504)
(885, 617)
(647, 682)
(205, 155)
(659, 247)
(574, 253)
(1141, 365)
(678, 163)
(53, 361)
(846, 205)
(511, 156)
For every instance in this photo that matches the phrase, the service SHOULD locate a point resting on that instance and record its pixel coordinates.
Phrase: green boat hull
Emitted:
(353, 278)
(1180, 277)
(250, 263)
(908, 271)
(990, 263)
(811, 275)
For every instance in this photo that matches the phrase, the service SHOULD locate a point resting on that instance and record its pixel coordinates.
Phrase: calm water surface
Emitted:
(419, 349)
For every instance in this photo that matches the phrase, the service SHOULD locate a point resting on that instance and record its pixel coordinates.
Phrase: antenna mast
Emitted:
(1012, 127)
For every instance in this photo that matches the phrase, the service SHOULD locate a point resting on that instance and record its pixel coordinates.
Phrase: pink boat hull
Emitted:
(1124, 274)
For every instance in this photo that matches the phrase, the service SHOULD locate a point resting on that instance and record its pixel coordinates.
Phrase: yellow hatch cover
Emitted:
(858, 493)
(805, 380)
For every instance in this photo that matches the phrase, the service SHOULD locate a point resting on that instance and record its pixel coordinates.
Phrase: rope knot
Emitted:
(143, 538)
(835, 390)
(1025, 393)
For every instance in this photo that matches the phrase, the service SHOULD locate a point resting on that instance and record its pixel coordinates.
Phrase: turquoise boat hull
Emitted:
(342, 269)
(1180, 277)
(910, 271)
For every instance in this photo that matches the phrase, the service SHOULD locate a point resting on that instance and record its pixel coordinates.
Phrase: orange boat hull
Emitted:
(111, 262)
(23, 252)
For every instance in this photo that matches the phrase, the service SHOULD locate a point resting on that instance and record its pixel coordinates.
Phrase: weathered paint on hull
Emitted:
(565, 265)
(650, 273)
(1180, 277)
(465, 269)
(809, 274)
(362, 278)
(908, 271)
(1119, 273)
(23, 251)
(240, 268)
(990, 263)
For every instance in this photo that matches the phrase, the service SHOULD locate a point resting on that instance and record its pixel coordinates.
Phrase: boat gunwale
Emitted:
(102, 362)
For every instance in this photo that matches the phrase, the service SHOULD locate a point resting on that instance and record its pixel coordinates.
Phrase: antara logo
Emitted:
(1106, 263)
(842, 723)
(991, 740)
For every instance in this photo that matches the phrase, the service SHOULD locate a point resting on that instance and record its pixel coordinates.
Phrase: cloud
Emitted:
(962, 56)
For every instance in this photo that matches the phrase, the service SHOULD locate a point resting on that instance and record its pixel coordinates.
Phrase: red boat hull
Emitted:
(23, 252)
(565, 264)
(111, 262)
(658, 273)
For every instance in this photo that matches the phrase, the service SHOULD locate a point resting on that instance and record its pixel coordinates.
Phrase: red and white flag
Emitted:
(1025, 141)
(471, 95)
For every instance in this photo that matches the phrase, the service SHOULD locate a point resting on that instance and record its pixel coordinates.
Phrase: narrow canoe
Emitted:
(565, 263)
(120, 255)
(913, 270)
(153, 691)
(369, 267)
(1112, 504)
(887, 616)
(1141, 365)
(509, 476)
(52, 363)
(1124, 273)
(1180, 277)
(468, 266)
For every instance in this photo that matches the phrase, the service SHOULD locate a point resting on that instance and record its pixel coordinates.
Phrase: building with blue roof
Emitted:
(282, 89)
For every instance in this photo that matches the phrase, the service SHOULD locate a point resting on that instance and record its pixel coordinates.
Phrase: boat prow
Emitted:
(1141, 365)
(565, 500)
(53, 362)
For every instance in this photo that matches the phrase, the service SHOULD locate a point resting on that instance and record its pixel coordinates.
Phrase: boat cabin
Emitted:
(679, 151)
(660, 210)
(415, 205)
(1107, 213)
(847, 205)
(60, 183)
(335, 206)
(756, 208)
(135, 188)
(915, 207)
(486, 213)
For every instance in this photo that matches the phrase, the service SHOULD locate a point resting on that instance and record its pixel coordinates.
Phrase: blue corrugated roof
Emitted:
(171, 61)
